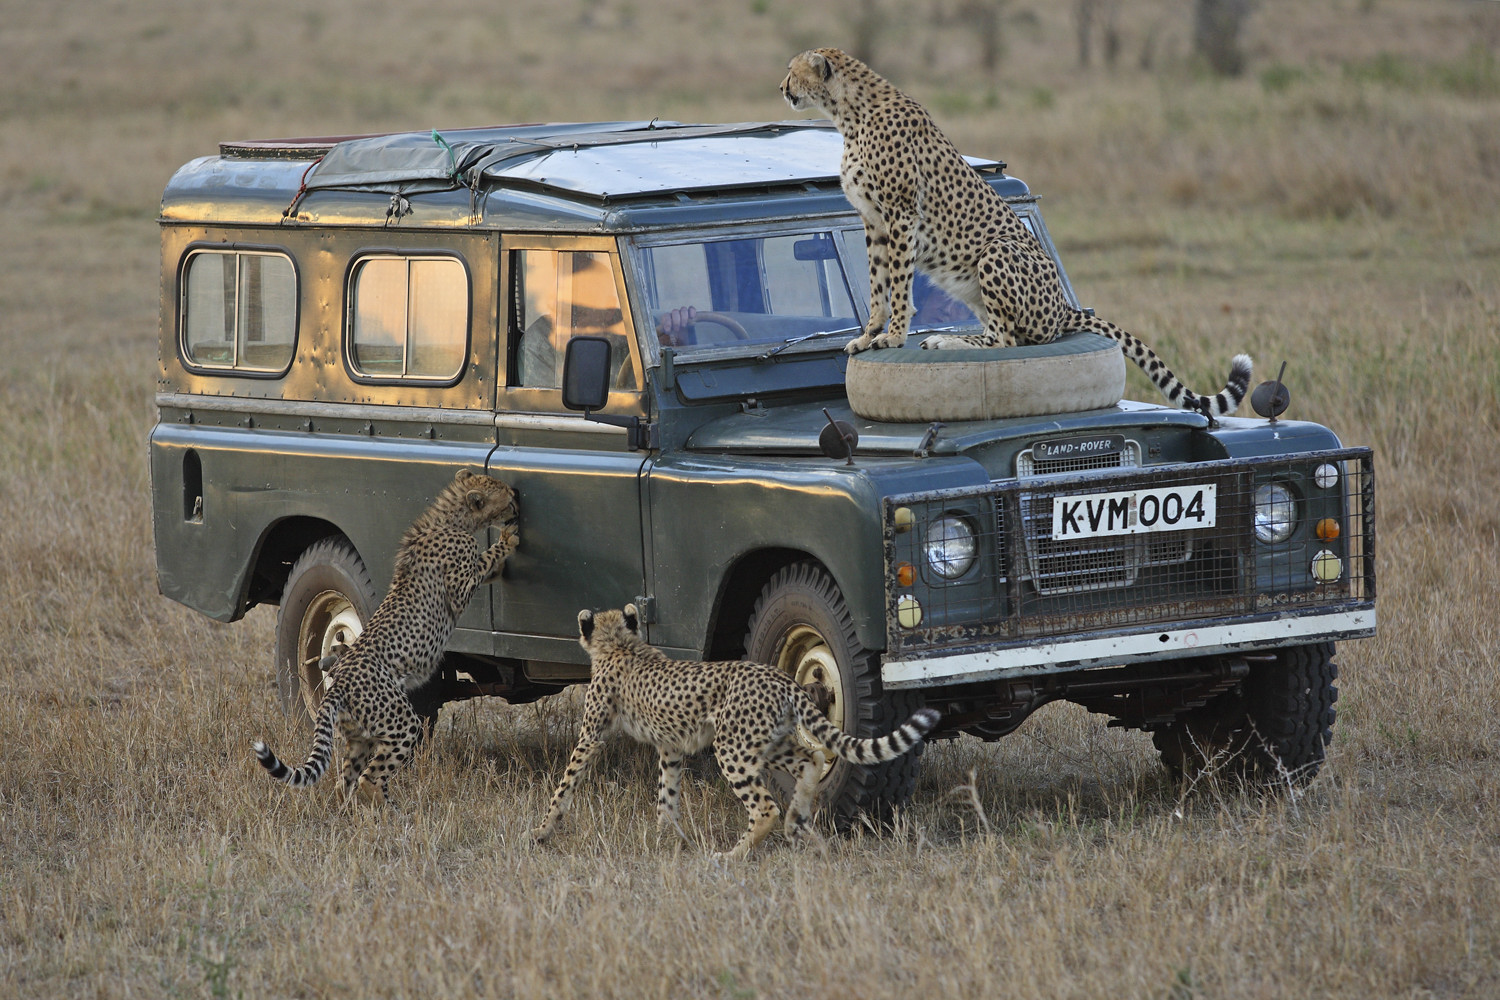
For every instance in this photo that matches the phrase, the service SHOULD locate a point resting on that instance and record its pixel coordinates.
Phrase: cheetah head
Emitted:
(810, 79)
(487, 499)
(608, 628)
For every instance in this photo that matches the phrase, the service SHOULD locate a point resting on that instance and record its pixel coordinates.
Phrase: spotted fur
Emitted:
(438, 567)
(924, 206)
(749, 712)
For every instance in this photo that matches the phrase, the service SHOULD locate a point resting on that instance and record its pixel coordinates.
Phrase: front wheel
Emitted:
(327, 600)
(1275, 727)
(802, 626)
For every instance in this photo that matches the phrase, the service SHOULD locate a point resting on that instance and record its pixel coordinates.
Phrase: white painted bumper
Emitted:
(973, 666)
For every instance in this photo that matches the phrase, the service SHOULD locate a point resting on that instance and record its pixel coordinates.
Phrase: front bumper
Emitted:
(1194, 639)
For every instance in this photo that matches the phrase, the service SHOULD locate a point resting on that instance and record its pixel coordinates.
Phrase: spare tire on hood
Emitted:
(1078, 371)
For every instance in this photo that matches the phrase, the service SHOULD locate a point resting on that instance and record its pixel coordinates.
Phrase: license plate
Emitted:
(1135, 512)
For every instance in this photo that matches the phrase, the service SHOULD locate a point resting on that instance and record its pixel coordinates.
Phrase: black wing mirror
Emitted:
(586, 374)
(585, 386)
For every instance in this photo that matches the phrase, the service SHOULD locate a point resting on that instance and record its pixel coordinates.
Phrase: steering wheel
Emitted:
(729, 323)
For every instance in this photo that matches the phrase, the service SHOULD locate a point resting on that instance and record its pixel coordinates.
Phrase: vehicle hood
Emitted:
(794, 429)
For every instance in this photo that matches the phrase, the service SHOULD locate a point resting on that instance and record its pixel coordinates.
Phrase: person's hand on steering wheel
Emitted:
(672, 328)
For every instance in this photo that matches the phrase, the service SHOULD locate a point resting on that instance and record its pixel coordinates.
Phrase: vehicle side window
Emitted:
(562, 294)
(408, 318)
(239, 310)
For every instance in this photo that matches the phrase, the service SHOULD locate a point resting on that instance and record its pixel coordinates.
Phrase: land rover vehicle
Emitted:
(345, 322)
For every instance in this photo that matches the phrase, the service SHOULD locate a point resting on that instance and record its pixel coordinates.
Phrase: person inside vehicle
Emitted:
(935, 308)
(674, 329)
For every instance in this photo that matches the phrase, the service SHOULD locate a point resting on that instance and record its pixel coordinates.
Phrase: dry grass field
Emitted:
(1338, 206)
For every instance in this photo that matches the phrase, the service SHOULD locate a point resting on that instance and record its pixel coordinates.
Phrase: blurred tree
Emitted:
(1216, 33)
(1104, 14)
(1083, 28)
(985, 17)
(866, 25)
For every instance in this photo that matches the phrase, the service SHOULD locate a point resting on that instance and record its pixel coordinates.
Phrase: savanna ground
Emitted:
(1337, 206)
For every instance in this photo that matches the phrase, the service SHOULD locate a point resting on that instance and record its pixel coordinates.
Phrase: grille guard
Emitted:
(1027, 589)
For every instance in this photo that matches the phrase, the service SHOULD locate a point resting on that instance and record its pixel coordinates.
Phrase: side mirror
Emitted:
(585, 386)
(585, 382)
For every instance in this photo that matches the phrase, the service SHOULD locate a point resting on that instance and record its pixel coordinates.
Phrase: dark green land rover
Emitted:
(345, 322)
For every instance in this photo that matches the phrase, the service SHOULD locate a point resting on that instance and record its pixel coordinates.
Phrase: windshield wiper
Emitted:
(768, 355)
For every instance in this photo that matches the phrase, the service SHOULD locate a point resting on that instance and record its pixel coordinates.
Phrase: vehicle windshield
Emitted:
(781, 291)
(932, 308)
(759, 290)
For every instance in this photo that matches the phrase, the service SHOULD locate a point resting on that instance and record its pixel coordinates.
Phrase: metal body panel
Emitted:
(320, 372)
(707, 513)
(580, 524)
(252, 480)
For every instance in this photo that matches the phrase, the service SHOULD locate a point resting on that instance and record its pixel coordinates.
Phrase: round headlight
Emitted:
(1275, 514)
(951, 547)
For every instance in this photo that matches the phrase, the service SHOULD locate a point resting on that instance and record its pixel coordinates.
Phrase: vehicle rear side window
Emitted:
(239, 310)
(409, 318)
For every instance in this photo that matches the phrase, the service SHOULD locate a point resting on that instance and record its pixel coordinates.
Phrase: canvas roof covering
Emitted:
(595, 159)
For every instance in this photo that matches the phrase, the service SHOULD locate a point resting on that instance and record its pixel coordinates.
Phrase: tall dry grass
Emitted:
(1336, 208)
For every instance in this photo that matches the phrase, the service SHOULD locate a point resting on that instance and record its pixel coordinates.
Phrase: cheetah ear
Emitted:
(585, 624)
(632, 619)
(475, 499)
(822, 65)
(461, 475)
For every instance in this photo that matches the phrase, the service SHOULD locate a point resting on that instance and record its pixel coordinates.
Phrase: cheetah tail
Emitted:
(317, 760)
(1227, 400)
(858, 751)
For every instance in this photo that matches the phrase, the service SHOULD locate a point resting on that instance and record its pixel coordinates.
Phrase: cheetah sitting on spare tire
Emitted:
(438, 567)
(924, 206)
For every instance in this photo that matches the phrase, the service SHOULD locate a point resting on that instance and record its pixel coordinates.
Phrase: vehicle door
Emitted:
(578, 482)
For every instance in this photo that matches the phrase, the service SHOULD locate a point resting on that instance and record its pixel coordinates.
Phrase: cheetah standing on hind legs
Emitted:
(438, 567)
(924, 206)
(748, 711)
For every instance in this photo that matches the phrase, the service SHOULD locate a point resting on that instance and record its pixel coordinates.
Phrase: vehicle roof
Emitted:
(596, 176)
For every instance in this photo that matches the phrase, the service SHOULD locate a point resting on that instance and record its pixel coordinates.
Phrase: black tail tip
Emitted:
(925, 718)
(264, 755)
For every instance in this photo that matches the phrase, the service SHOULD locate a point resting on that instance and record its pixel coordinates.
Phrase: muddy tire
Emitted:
(1276, 728)
(802, 626)
(327, 600)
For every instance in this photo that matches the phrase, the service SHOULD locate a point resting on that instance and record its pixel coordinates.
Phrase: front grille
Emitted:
(1028, 464)
(1027, 583)
(1070, 567)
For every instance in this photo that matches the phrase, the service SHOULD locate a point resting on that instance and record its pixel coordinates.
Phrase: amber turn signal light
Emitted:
(1327, 529)
(906, 574)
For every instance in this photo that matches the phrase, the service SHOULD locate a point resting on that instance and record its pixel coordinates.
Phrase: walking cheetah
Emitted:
(438, 566)
(748, 711)
(924, 206)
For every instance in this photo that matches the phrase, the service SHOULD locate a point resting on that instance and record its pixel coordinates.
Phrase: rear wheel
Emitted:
(1275, 727)
(802, 626)
(327, 600)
